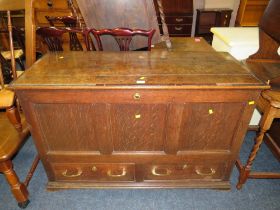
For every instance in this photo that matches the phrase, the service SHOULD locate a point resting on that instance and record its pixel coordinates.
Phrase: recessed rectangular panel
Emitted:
(138, 127)
(68, 127)
(209, 126)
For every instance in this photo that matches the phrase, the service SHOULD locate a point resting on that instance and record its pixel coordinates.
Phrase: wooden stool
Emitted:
(269, 105)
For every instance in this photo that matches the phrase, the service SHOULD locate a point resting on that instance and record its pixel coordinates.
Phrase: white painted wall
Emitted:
(219, 4)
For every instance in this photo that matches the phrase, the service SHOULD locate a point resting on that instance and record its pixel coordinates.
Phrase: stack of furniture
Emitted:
(178, 17)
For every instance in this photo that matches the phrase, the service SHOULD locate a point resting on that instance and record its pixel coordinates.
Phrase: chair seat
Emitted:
(10, 138)
(7, 98)
(19, 73)
(7, 54)
(273, 97)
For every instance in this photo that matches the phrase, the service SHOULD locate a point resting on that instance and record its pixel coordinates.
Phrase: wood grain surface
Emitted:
(92, 69)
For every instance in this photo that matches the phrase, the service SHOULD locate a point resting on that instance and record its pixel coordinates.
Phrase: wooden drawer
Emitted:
(94, 172)
(178, 29)
(185, 171)
(177, 20)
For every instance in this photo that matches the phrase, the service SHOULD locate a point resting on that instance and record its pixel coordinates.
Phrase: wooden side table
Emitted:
(269, 105)
(208, 18)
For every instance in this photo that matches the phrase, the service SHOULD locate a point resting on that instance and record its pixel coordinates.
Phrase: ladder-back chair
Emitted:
(14, 131)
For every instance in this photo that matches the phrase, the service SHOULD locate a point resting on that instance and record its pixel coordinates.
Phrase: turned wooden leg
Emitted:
(18, 189)
(32, 170)
(245, 170)
(14, 117)
(265, 124)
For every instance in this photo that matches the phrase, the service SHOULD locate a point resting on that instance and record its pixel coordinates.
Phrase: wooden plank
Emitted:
(30, 33)
(11, 5)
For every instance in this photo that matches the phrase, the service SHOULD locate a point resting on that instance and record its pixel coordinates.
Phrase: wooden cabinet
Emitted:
(179, 17)
(208, 18)
(250, 12)
(138, 119)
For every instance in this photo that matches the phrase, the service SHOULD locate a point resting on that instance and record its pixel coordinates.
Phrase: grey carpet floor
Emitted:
(256, 194)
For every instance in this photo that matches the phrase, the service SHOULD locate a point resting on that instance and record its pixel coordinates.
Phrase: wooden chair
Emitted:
(53, 37)
(13, 133)
(265, 62)
(123, 36)
(67, 21)
(18, 53)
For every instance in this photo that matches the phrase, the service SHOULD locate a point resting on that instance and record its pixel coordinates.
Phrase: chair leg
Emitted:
(266, 121)
(245, 170)
(14, 117)
(18, 189)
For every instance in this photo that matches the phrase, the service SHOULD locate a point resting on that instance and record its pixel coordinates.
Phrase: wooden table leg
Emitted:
(18, 189)
(265, 124)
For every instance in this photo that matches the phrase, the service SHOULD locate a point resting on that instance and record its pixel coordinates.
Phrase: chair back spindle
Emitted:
(10, 29)
(52, 37)
(71, 22)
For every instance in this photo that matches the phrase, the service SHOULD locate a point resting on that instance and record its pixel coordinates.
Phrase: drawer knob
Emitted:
(212, 171)
(178, 28)
(137, 116)
(155, 172)
(211, 111)
(137, 96)
(110, 174)
(179, 20)
(94, 168)
(79, 173)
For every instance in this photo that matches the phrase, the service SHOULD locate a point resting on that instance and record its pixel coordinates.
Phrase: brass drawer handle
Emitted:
(185, 166)
(79, 173)
(179, 20)
(155, 173)
(94, 168)
(205, 174)
(137, 96)
(178, 28)
(109, 173)
(137, 116)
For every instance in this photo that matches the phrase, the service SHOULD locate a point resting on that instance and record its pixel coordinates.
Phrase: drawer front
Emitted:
(185, 171)
(178, 29)
(177, 19)
(107, 172)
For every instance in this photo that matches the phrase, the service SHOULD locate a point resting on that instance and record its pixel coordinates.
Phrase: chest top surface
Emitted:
(170, 69)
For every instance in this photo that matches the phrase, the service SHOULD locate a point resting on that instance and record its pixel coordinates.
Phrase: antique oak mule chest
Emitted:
(138, 119)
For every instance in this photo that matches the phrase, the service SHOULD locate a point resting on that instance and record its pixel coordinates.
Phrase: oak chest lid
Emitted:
(157, 69)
